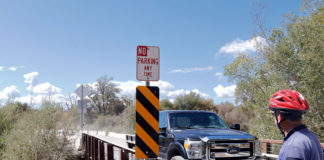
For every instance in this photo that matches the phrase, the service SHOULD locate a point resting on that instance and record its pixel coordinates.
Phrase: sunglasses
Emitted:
(272, 112)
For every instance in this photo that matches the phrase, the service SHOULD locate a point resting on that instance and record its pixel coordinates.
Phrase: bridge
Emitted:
(98, 145)
(103, 145)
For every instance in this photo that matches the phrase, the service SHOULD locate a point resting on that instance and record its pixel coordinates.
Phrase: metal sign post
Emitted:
(81, 115)
(82, 92)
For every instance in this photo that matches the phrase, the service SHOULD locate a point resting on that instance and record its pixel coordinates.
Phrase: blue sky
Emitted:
(51, 46)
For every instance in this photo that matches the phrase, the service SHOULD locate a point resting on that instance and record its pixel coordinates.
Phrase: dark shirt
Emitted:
(301, 144)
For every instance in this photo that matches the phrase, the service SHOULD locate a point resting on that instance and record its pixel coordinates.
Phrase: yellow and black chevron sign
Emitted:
(147, 122)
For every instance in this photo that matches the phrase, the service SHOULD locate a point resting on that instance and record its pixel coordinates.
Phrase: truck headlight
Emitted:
(195, 149)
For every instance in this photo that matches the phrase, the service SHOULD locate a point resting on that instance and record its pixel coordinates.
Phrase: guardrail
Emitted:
(266, 147)
(98, 147)
(101, 148)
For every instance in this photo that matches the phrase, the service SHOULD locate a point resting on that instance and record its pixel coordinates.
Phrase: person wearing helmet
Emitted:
(287, 107)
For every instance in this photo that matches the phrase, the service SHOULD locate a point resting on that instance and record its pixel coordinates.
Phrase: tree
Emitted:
(165, 104)
(70, 102)
(292, 56)
(104, 97)
(193, 101)
(224, 109)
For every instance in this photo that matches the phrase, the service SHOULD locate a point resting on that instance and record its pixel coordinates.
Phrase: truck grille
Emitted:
(230, 149)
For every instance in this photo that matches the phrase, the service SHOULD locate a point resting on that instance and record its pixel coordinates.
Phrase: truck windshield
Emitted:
(195, 120)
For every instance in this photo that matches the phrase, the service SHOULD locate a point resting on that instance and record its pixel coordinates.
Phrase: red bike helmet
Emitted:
(288, 100)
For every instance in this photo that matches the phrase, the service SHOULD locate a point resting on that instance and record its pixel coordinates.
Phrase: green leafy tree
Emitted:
(193, 101)
(291, 57)
(165, 104)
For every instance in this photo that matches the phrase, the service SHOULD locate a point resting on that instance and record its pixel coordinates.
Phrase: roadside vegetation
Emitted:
(27, 133)
(291, 56)
(48, 130)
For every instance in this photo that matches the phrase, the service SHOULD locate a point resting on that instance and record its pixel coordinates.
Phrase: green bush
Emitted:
(36, 136)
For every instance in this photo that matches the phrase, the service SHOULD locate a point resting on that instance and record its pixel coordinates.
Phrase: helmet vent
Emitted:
(282, 100)
(299, 101)
(291, 98)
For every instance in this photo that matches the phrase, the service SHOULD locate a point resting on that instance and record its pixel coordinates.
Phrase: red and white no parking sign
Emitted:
(148, 63)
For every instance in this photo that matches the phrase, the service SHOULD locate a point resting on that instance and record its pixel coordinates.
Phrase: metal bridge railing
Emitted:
(267, 147)
(101, 148)
(97, 147)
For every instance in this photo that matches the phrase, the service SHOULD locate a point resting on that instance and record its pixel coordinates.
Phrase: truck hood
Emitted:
(210, 134)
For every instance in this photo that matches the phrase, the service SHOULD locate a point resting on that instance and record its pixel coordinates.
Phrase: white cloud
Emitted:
(218, 74)
(32, 99)
(166, 89)
(39, 98)
(180, 92)
(240, 47)
(164, 86)
(43, 92)
(12, 68)
(46, 88)
(188, 70)
(203, 95)
(58, 98)
(2, 68)
(225, 92)
(129, 87)
(31, 79)
(9, 93)
(176, 93)
(25, 99)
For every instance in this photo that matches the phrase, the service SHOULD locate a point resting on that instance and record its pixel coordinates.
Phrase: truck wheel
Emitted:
(177, 158)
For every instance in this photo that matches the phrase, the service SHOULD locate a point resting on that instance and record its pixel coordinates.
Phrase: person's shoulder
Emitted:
(304, 139)
(307, 135)
(301, 138)
(303, 144)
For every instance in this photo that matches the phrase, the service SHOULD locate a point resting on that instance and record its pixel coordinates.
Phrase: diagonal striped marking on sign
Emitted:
(155, 91)
(147, 116)
(149, 96)
(147, 104)
(147, 139)
(148, 129)
(140, 144)
(139, 153)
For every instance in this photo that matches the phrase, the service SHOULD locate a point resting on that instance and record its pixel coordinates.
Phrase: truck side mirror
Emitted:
(162, 131)
(236, 126)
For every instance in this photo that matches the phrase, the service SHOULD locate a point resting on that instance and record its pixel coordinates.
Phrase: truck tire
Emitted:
(177, 158)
